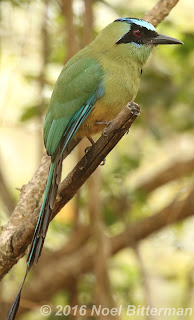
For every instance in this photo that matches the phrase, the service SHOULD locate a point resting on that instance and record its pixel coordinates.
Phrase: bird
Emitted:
(91, 90)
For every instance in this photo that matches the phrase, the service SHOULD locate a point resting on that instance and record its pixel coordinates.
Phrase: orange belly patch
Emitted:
(101, 112)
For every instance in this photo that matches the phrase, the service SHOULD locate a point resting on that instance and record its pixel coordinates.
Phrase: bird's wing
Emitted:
(76, 92)
(77, 89)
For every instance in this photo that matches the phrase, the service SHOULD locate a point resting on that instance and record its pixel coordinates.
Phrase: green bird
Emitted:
(91, 90)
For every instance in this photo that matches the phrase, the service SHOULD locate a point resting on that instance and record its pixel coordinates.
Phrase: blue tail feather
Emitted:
(42, 218)
(51, 191)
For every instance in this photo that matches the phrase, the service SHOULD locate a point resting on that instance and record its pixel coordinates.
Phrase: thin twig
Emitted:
(160, 11)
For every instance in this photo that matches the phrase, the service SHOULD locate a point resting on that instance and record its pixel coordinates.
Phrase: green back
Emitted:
(76, 84)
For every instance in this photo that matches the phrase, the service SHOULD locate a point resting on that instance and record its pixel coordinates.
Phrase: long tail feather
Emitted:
(41, 226)
(11, 314)
(46, 211)
(50, 195)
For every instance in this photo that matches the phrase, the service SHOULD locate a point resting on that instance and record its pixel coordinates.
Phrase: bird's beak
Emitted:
(162, 39)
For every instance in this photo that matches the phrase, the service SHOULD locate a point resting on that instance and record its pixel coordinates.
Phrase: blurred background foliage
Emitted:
(36, 39)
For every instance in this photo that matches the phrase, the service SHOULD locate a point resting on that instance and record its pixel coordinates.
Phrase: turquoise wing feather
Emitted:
(44, 217)
(64, 128)
(78, 85)
(75, 94)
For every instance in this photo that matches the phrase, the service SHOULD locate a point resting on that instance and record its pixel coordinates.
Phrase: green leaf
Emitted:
(29, 113)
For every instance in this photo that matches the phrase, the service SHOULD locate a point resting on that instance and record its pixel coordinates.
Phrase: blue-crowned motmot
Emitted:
(92, 89)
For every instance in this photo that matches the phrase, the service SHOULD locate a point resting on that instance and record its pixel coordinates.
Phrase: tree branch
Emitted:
(76, 258)
(6, 197)
(17, 234)
(160, 11)
(103, 294)
(172, 171)
(72, 46)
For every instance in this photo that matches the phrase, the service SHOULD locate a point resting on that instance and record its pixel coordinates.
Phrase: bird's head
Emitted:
(142, 32)
(132, 36)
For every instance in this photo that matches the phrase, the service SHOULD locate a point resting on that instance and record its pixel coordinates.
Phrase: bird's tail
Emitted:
(53, 181)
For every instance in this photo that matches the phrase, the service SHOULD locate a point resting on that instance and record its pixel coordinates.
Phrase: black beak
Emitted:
(162, 39)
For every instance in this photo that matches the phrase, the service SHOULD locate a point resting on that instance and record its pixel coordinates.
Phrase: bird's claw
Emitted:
(103, 162)
(87, 149)
(104, 132)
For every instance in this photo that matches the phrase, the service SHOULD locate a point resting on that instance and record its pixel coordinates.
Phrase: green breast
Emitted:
(121, 82)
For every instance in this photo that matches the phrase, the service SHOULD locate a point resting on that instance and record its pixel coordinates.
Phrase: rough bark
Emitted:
(17, 233)
(160, 11)
(78, 257)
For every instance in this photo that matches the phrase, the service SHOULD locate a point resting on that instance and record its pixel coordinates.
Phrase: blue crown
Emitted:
(139, 22)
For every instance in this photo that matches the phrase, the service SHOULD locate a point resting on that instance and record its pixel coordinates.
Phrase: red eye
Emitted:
(137, 33)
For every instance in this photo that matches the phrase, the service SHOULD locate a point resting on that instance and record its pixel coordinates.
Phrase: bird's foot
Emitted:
(92, 143)
(103, 123)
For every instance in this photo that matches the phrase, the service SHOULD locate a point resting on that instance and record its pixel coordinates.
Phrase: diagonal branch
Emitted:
(160, 11)
(14, 241)
(17, 233)
(98, 152)
(78, 255)
(173, 170)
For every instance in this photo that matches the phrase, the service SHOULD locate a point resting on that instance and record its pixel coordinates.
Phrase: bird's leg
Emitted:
(88, 148)
(91, 139)
(92, 143)
(106, 124)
